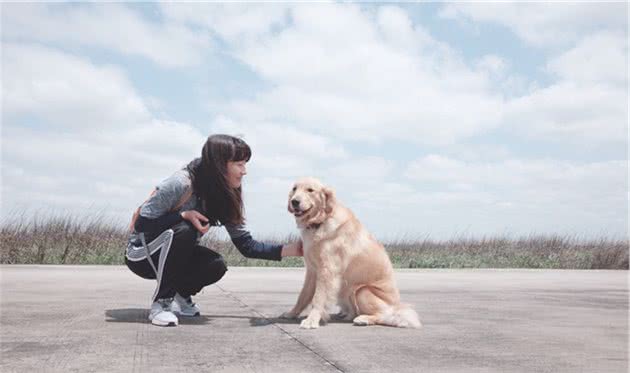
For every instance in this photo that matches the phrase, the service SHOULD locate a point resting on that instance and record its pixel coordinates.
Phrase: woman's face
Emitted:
(235, 172)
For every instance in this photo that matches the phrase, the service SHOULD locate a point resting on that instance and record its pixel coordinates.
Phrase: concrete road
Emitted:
(94, 318)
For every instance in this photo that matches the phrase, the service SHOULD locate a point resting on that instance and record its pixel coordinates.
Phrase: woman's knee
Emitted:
(219, 265)
(215, 269)
(141, 268)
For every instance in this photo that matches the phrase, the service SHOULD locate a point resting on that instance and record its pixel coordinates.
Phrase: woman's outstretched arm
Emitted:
(252, 248)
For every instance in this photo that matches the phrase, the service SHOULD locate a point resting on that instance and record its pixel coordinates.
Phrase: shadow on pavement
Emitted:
(141, 315)
(135, 315)
(261, 321)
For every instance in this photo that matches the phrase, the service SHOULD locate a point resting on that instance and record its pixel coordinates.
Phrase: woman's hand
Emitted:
(293, 249)
(198, 221)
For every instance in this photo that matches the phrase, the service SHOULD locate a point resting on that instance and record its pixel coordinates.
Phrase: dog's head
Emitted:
(310, 201)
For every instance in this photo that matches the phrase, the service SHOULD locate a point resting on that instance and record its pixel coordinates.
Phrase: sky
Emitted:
(430, 120)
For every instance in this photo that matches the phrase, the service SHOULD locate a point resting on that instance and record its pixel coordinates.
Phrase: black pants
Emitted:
(187, 268)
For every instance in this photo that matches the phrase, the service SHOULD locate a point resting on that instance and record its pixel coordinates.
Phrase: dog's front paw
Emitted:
(362, 320)
(309, 323)
(289, 315)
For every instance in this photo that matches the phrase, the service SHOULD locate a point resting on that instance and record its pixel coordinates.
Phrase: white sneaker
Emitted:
(161, 314)
(184, 306)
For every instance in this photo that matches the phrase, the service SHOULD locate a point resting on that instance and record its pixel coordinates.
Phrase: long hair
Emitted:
(220, 203)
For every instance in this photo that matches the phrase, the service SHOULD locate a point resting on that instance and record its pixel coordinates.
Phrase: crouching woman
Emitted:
(165, 231)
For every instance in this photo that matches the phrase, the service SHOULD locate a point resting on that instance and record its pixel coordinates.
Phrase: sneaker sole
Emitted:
(158, 323)
(187, 314)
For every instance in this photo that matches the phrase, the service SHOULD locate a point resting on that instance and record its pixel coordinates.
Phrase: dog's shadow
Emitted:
(263, 321)
(141, 316)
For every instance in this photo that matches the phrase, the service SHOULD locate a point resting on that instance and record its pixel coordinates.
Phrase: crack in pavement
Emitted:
(291, 336)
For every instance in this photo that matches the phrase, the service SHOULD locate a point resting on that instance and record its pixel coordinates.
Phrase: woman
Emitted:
(164, 242)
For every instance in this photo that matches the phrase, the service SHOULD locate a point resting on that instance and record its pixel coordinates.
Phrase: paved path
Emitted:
(94, 318)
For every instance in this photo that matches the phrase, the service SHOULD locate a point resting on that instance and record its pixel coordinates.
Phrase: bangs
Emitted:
(242, 152)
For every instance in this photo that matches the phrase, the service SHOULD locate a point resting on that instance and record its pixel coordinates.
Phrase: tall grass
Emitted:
(533, 251)
(61, 239)
(64, 239)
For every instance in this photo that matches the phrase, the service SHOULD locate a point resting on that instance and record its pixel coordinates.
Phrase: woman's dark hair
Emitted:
(220, 203)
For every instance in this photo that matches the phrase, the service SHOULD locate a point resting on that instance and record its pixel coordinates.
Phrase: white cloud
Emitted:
(112, 26)
(335, 66)
(78, 135)
(372, 78)
(569, 112)
(587, 102)
(365, 172)
(544, 24)
(533, 182)
(282, 150)
(493, 65)
(587, 99)
(67, 90)
(525, 196)
(291, 140)
(478, 152)
(373, 75)
(598, 59)
(234, 22)
(43, 168)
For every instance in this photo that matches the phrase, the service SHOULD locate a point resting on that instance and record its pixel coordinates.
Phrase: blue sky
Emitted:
(429, 119)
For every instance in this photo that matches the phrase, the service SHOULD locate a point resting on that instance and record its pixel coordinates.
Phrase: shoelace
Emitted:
(189, 302)
(165, 303)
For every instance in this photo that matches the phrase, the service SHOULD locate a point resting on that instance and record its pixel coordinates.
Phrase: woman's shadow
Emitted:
(141, 316)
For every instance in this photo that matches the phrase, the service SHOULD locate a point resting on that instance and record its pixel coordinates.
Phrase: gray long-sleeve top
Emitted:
(157, 214)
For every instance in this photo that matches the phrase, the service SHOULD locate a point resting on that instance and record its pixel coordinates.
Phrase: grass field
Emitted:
(69, 240)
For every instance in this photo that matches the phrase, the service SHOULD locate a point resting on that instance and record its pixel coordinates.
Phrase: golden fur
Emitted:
(345, 265)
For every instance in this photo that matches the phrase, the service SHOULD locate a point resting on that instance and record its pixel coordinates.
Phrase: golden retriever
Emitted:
(345, 265)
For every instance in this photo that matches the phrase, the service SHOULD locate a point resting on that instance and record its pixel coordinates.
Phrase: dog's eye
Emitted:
(310, 190)
(294, 188)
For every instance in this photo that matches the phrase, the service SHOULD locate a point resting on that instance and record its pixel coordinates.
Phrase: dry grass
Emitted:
(70, 240)
(61, 239)
(533, 251)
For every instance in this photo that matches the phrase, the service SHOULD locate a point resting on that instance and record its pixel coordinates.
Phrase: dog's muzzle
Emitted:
(297, 212)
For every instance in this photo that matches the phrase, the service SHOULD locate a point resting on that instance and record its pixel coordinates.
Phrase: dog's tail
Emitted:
(402, 316)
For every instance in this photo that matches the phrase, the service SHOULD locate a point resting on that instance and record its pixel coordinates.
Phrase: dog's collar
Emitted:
(313, 226)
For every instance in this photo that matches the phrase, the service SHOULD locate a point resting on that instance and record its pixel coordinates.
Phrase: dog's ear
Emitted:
(329, 200)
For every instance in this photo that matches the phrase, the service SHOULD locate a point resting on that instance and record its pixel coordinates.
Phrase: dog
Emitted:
(345, 265)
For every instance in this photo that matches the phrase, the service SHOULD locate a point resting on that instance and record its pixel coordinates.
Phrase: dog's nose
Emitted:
(295, 203)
